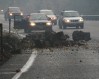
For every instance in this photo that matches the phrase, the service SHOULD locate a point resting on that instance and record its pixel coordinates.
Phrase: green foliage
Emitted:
(11, 43)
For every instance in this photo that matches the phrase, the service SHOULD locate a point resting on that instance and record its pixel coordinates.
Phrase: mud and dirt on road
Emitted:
(74, 62)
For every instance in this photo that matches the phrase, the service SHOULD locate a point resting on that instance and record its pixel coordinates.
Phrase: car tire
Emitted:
(82, 26)
(60, 25)
(49, 29)
(5, 17)
(77, 27)
(55, 23)
(64, 26)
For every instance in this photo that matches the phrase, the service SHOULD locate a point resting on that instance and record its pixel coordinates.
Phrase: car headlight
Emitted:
(53, 18)
(32, 23)
(10, 14)
(48, 23)
(81, 20)
(67, 20)
(21, 14)
(1, 10)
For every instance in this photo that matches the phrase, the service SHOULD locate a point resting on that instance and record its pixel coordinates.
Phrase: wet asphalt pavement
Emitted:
(59, 63)
(66, 63)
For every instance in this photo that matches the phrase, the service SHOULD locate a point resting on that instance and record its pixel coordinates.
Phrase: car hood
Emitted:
(51, 15)
(40, 21)
(72, 18)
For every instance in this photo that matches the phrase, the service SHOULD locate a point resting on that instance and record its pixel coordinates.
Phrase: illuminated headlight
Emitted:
(1, 10)
(48, 23)
(81, 20)
(67, 20)
(10, 14)
(21, 14)
(32, 24)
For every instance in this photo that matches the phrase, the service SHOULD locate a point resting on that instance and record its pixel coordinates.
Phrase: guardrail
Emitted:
(88, 17)
(91, 17)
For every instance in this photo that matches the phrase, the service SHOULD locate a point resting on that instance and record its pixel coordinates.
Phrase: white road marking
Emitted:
(27, 65)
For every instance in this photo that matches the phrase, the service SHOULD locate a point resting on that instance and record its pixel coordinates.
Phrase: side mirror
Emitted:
(49, 18)
(61, 13)
(2, 11)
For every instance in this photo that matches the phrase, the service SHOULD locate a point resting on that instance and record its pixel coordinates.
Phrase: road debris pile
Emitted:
(81, 36)
(53, 39)
(13, 45)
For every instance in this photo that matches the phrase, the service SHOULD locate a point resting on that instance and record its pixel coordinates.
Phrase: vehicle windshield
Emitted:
(47, 12)
(71, 14)
(14, 10)
(38, 17)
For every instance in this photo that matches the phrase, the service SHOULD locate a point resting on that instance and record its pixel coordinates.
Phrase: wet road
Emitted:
(63, 63)
(67, 62)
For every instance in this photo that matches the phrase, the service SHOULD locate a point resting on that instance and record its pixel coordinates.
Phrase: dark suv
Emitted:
(11, 12)
(70, 19)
